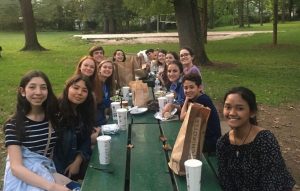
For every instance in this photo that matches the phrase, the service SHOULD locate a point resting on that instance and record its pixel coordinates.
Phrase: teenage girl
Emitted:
(31, 131)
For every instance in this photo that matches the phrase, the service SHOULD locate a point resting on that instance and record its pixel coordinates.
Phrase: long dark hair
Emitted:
(85, 110)
(249, 97)
(23, 107)
(124, 56)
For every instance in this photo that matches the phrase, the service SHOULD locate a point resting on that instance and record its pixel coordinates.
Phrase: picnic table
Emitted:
(140, 162)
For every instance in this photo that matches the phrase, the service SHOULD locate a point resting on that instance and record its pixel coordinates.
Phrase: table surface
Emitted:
(139, 162)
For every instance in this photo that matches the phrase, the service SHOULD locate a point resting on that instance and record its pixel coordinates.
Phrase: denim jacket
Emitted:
(69, 145)
(177, 88)
(36, 163)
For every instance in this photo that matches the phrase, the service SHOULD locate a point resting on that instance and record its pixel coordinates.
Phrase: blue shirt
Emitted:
(101, 118)
(177, 88)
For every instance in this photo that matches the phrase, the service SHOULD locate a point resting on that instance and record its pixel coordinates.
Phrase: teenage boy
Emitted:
(192, 86)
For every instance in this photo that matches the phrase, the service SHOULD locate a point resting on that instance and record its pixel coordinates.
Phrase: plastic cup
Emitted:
(162, 101)
(125, 93)
(170, 97)
(114, 107)
(104, 143)
(193, 174)
(122, 118)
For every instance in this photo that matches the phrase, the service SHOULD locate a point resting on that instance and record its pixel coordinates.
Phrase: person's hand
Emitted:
(58, 187)
(74, 167)
(95, 134)
(168, 108)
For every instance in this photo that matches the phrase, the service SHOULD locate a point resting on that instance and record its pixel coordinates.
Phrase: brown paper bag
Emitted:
(190, 139)
(140, 93)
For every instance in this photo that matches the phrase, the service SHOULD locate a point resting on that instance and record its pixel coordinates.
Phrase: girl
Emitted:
(249, 156)
(171, 56)
(30, 136)
(175, 71)
(104, 88)
(192, 85)
(162, 69)
(187, 57)
(76, 105)
(119, 56)
(87, 67)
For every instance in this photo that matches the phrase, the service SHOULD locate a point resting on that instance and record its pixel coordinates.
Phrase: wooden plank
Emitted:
(101, 180)
(148, 167)
(209, 180)
(144, 118)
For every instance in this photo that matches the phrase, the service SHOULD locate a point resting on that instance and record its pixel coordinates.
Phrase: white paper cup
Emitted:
(122, 118)
(170, 97)
(114, 107)
(125, 93)
(103, 143)
(162, 101)
(193, 174)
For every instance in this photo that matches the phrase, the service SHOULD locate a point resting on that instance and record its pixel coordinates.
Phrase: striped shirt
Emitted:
(36, 136)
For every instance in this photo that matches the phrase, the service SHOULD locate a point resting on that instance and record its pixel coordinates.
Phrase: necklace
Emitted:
(237, 152)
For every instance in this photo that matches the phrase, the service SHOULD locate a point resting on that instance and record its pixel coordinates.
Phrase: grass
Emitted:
(271, 72)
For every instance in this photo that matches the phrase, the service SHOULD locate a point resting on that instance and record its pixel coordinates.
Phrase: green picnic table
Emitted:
(139, 162)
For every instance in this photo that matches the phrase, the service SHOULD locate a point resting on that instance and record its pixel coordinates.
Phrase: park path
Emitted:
(133, 38)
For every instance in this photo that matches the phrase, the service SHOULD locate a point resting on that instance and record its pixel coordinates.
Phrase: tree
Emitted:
(241, 13)
(31, 41)
(190, 32)
(275, 21)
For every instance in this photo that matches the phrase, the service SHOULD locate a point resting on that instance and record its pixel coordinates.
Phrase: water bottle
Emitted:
(157, 85)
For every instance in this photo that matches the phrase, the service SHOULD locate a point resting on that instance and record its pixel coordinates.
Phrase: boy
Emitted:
(192, 85)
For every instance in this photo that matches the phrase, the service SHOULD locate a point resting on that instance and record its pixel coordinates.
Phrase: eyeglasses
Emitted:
(184, 54)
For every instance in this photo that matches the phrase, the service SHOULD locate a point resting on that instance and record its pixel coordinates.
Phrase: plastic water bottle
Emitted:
(157, 85)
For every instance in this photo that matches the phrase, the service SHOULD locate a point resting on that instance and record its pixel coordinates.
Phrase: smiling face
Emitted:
(173, 72)
(186, 58)
(236, 111)
(191, 89)
(88, 67)
(98, 55)
(35, 91)
(105, 70)
(161, 57)
(77, 92)
(169, 58)
(119, 57)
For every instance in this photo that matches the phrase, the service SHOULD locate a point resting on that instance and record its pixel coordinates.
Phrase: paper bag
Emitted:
(190, 139)
(140, 93)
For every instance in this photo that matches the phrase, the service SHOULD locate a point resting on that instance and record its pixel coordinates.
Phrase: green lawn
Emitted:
(273, 73)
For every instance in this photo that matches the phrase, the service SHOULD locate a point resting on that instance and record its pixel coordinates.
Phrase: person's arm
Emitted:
(274, 173)
(184, 109)
(74, 167)
(24, 174)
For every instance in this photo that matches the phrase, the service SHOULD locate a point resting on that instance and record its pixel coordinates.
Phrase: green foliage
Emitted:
(9, 14)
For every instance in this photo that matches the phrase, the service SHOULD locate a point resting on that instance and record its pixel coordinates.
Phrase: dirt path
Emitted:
(154, 38)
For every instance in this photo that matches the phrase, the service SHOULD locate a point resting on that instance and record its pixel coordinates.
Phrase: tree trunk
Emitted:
(241, 13)
(203, 20)
(275, 21)
(261, 9)
(211, 14)
(31, 41)
(190, 32)
(247, 13)
(283, 10)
